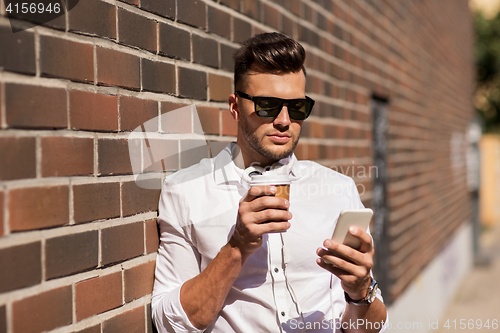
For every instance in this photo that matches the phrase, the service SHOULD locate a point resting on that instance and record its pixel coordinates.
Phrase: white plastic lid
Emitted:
(270, 180)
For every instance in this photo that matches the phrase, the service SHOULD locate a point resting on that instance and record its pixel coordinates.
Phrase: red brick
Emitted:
(163, 7)
(226, 57)
(219, 22)
(66, 59)
(116, 68)
(229, 125)
(63, 156)
(192, 12)
(209, 119)
(180, 123)
(160, 155)
(96, 201)
(91, 111)
(122, 242)
(131, 322)
(38, 207)
(139, 281)
(114, 157)
(234, 4)
(205, 51)
(138, 200)
(134, 112)
(71, 254)
(152, 236)
(174, 42)
(21, 266)
(272, 17)
(94, 17)
(220, 87)
(158, 76)
(136, 30)
(18, 158)
(18, 51)
(1, 214)
(192, 151)
(242, 30)
(192, 83)
(3, 319)
(98, 295)
(33, 106)
(132, 2)
(252, 8)
(43, 312)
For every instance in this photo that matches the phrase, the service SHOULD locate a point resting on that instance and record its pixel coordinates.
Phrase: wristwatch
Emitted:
(370, 297)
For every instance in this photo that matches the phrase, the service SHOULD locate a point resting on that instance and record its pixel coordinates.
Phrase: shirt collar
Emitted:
(226, 170)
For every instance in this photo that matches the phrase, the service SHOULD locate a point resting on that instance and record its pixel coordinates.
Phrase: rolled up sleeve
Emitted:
(177, 261)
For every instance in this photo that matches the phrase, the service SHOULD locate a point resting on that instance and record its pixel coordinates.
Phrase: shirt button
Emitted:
(283, 313)
(276, 270)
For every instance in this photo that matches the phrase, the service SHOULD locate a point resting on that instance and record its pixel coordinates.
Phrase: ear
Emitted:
(234, 107)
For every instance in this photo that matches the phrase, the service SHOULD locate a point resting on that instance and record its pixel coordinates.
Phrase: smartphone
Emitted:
(351, 217)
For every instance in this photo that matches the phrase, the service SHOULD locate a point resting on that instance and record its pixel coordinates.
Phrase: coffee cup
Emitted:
(281, 182)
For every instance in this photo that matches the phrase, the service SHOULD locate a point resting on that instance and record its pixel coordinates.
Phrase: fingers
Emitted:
(365, 239)
(258, 191)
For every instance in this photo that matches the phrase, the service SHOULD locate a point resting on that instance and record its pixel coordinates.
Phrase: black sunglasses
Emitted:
(270, 107)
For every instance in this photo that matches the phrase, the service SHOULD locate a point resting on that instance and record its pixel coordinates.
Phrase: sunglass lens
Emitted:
(268, 107)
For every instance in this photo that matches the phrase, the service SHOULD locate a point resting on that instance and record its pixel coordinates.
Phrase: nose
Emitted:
(283, 118)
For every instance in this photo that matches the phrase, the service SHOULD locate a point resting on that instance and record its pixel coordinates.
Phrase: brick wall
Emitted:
(78, 236)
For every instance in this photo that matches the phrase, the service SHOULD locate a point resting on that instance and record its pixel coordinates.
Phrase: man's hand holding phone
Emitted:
(351, 265)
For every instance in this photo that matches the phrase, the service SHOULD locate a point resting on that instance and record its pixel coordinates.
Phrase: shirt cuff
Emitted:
(171, 310)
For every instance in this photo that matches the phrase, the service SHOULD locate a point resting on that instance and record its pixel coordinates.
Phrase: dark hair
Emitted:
(270, 52)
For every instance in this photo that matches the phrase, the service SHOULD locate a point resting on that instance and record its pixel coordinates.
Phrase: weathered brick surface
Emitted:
(209, 119)
(64, 156)
(91, 111)
(135, 112)
(163, 7)
(71, 254)
(136, 30)
(29, 106)
(192, 83)
(139, 281)
(152, 236)
(138, 200)
(130, 321)
(94, 17)
(18, 158)
(18, 51)
(43, 312)
(66, 59)
(219, 22)
(96, 201)
(220, 87)
(205, 51)
(1, 214)
(38, 207)
(192, 12)
(114, 157)
(242, 30)
(111, 65)
(3, 318)
(175, 42)
(158, 77)
(21, 266)
(122, 242)
(93, 329)
(97, 295)
(181, 122)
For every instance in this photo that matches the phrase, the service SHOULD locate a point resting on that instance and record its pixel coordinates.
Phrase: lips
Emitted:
(279, 137)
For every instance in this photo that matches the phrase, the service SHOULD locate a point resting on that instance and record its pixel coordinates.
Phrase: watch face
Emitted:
(373, 293)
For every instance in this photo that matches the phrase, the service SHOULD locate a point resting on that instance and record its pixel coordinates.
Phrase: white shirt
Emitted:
(280, 288)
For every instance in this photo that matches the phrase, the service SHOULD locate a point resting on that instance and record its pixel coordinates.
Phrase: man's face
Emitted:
(267, 140)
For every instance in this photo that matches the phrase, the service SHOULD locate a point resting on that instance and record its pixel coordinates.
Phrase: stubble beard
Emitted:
(256, 143)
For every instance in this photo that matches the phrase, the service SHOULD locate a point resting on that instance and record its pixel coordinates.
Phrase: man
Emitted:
(235, 258)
